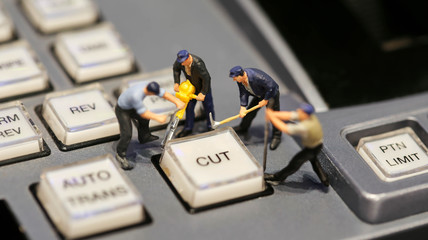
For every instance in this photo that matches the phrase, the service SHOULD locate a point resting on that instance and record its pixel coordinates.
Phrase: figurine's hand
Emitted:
(161, 118)
(176, 87)
(180, 105)
(200, 97)
(242, 112)
(263, 103)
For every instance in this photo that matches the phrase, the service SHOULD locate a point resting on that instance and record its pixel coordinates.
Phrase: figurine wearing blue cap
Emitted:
(265, 92)
(307, 126)
(195, 71)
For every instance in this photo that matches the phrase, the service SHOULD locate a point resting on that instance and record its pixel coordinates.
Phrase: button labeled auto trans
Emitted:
(89, 197)
(54, 15)
(211, 168)
(93, 53)
(395, 155)
(80, 115)
(20, 71)
(19, 136)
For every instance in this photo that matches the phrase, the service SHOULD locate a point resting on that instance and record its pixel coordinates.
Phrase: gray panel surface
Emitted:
(155, 30)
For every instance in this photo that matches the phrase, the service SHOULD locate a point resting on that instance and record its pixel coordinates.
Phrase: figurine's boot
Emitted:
(124, 162)
(184, 133)
(144, 138)
(320, 172)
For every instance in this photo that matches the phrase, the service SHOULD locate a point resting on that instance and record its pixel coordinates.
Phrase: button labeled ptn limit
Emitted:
(395, 155)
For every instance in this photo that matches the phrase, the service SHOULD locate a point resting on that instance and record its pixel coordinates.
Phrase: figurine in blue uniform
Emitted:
(130, 107)
(265, 92)
(195, 71)
(307, 126)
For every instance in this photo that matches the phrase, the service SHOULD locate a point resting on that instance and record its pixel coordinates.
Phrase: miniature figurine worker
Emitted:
(265, 92)
(309, 129)
(130, 107)
(195, 71)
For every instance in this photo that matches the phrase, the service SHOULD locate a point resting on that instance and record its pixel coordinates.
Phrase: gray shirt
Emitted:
(132, 98)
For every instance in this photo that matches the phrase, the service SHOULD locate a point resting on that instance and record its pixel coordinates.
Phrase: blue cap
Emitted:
(153, 87)
(236, 71)
(182, 56)
(307, 108)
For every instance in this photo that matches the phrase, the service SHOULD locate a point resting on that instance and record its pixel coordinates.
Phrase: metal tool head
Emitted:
(214, 124)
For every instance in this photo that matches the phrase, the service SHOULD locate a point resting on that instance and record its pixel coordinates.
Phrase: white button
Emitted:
(20, 71)
(93, 53)
(18, 134)
(156, 104)
(6, 26)
(80, 115)
(212, 167)
(89, 197)
(54, 15)
(395, 155)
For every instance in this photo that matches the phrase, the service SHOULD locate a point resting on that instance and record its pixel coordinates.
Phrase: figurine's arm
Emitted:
(168, 96)
(153, 116)
(176, 68)
(278, 123)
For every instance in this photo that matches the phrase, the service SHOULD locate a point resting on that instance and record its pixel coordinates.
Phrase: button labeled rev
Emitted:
(154, 103)
(93, 53)
(18, 134)
(89, 197)
(212, 167)
(20, 71)
(80, 115)
(395, 155)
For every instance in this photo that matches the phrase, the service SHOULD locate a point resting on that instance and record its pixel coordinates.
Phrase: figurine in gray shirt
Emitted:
(130, 107)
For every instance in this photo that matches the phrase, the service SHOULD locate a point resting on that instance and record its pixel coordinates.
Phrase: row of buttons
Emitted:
(86, 55)
(79, 115)
(89, 54)
(96, 190)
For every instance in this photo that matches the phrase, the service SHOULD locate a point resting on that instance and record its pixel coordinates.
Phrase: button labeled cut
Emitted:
(18, 134)
(89, 197)
(80, 115)
(55, 15)
(93, 53)
(395, 155)
(20, 71)
(211, 168)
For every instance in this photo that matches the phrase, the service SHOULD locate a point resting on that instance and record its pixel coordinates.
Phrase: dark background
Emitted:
(357, 51)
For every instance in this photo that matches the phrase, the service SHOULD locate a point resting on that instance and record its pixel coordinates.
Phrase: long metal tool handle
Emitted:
(169, 133)
(266, 143)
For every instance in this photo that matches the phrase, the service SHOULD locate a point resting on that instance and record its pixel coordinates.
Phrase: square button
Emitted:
(19, 136)
(89, 197)
(80, 115)
(55, 15)
(93, 53)
(211, 168)
(6, 26)
(154, 103)
(20, 71)
(394, 155)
